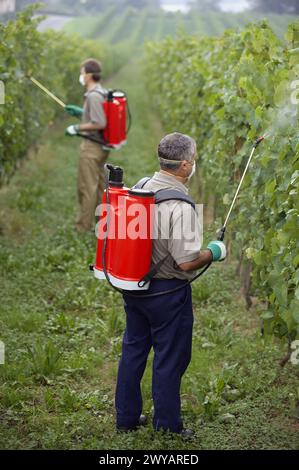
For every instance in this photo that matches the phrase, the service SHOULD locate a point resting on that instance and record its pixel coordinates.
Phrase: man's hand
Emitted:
(72, 130)
(204, 258)
(218, 250)
(74, 110)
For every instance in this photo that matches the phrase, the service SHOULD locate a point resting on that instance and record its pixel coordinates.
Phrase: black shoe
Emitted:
(142, 422)
(187, 433)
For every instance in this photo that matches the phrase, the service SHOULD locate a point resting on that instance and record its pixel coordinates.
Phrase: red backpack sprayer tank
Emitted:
(121, 258)
(116, 108)
(125, 262)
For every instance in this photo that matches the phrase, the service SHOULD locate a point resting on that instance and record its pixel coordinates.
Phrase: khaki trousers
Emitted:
(90, 183)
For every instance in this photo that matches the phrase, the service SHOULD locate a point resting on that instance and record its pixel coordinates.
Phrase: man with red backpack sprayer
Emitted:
(159, 306)
(164, 322)
(103, 127)
(90, 182)
(153, 269)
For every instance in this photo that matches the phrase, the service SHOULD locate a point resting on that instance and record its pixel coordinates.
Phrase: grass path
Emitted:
(62, 329)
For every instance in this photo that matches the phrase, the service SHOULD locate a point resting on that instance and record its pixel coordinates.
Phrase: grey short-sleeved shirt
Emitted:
(93, 108)
(183, 221)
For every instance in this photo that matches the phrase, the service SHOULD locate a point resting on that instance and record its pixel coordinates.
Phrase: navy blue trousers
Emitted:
(164, 323)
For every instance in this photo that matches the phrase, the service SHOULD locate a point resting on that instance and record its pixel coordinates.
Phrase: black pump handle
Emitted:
(221, 234)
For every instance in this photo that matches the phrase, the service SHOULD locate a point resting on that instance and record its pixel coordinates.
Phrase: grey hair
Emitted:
(175, 147)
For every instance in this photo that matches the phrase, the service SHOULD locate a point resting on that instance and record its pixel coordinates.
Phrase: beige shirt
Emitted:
(93, 109)
(177, 230)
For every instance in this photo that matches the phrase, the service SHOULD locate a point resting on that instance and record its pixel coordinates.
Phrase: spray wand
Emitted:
(63, 105)
(222, 230)
(48, 92)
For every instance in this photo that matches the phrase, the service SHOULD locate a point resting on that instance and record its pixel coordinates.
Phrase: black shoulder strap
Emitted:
(141, 183)
(173, 194)
(152, 272)
(165, 194)
(160, 196)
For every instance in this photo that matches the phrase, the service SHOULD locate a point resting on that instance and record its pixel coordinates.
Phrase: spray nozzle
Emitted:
(259, 140)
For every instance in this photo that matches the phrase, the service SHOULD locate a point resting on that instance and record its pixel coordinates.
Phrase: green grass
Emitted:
(90, 25)
(139, 26)
(87, 25)
(63, 329)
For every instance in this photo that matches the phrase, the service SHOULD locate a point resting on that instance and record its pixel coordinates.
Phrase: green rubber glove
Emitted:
(74, 110)
(218, 250)
(72, 130)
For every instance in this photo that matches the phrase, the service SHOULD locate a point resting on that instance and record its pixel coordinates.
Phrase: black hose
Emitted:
(94, 139)
(129, 117)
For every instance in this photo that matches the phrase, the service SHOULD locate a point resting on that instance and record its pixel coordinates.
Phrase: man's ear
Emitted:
(183, 164)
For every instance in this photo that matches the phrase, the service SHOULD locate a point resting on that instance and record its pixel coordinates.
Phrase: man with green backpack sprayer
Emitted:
(93, 155)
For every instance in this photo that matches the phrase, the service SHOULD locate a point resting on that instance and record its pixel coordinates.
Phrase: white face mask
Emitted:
(192, 171)
(82, 79)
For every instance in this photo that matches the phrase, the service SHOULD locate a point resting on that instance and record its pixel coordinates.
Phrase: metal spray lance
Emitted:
(222, 230)
(47, 92)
